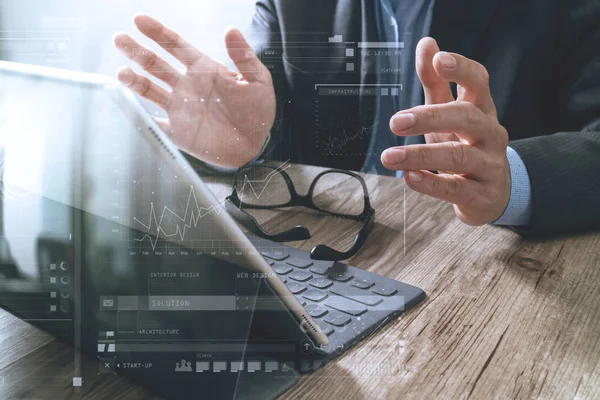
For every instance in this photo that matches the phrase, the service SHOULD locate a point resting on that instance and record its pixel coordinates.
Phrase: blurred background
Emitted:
(77, 34)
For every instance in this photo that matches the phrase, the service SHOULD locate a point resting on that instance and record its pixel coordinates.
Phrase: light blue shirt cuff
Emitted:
(518, 210)
(232, 169)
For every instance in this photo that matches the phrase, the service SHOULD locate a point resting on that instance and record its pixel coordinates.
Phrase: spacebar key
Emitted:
(360, 295)
(345, 305)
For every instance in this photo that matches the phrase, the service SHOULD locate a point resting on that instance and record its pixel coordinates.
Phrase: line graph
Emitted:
(335, 144)
(263, 182)
(167, 223)
(341, 134)
(191, 216)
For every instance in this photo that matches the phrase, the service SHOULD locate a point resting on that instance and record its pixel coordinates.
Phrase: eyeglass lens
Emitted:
(339, 193)
(262, 186)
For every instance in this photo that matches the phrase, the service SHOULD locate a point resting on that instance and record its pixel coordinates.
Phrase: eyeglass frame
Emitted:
(320, 252)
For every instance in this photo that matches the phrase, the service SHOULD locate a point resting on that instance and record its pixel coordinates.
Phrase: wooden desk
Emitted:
(504, 317)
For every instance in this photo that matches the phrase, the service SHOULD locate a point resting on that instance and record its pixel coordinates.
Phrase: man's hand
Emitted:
(465, 141)
(218, 115)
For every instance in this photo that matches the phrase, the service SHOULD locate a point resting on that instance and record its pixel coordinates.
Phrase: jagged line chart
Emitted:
(264, 182)
(336, 134)
(193, 212)
(333, 145)
(190, 219)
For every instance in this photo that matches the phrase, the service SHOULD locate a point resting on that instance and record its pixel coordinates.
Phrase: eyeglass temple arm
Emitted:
(326, 253)
(298, 232)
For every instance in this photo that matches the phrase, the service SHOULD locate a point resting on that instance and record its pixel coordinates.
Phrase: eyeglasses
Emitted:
(334, 192)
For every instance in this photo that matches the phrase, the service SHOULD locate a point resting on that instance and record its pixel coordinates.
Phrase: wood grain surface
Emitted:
(505, 317)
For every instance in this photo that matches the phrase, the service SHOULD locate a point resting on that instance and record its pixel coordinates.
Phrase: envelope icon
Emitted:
(108, 303)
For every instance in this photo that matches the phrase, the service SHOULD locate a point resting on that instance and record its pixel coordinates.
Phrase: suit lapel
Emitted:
(368, 34)
(459, 25)
(368, 75)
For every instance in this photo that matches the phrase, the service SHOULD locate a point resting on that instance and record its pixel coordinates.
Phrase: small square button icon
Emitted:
(271, 366)
(219, 366)
(106, 365)
(237, 366)
(349, 52)
(254, 366)
(202, 366)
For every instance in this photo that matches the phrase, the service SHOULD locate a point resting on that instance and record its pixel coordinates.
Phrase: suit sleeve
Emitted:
(263, 34)
(564, 167)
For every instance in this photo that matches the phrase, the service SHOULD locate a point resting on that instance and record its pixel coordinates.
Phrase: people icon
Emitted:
(183, 366)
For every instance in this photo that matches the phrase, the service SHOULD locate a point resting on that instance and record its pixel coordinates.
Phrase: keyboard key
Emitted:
(301, 300)
(314, 295)
(337, 319)
(300, 276)
(269, 261)
(315, 311)
(320, 283)
(327, 329)
(296, 287)
(299, 263)
(282, 269)
(384, 290)
(320, 269)
(362, 296)
(274, 254)
(340, 276)
(345, 305)
(361, 283)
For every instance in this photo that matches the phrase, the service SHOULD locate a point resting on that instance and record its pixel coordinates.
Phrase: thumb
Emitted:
(437, 89)
(243, 56)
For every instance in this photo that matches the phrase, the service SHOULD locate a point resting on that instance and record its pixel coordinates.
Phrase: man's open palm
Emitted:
(214, 113)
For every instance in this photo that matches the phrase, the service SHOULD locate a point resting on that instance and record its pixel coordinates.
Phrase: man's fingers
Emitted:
(243, 56)
(460, 117)
(456, 157)
(437, 89)
(471, 76)
(454, 189)
(144, 87)
(168, 40)
(147, 59)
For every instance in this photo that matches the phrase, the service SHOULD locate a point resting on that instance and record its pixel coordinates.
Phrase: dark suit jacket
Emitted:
(543, 58)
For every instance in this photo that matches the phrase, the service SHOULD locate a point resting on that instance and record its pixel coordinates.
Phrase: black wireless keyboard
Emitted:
(348, 303)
